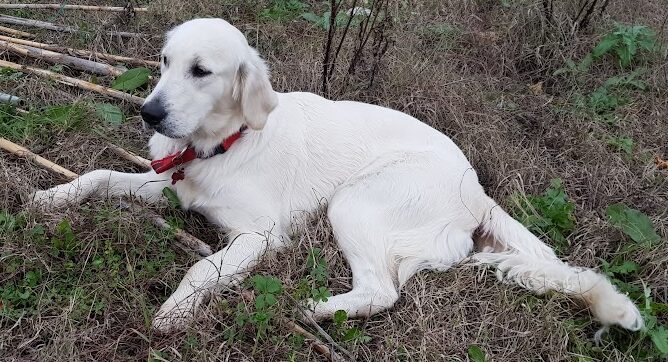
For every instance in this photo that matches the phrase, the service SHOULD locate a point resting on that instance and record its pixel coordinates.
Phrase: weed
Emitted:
(625, 42)
(41, 123)
(268, 289)
(633, 223)
(283, 10)
(476, 354)
(621, 143)
(131, 79)
(550, 214)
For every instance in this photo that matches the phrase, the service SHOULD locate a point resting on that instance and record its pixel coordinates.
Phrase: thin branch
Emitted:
(74, 82)
(14, 32)
(58, 58)
(64, 28)
(68, 7)
(83, 53)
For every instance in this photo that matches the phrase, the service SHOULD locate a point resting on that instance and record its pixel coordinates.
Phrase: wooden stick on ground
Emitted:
(83, 53)
(6, 19)
(14, 32)
(58, 58)
(74, 82)
(191, 242)
(136, 159)
(316, 343)
(68, 7)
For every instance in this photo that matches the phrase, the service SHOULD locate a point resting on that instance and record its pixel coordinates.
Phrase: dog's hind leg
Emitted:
(388, 227)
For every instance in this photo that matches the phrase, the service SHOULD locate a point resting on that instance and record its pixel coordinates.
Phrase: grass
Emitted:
(84, 283)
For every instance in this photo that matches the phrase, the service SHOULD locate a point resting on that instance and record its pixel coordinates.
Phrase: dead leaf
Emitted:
(536, 89)
(660, 163)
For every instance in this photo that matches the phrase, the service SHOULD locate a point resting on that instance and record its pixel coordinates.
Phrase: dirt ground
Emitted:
(83, 283)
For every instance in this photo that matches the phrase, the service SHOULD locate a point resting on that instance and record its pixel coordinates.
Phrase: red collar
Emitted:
(188, 154)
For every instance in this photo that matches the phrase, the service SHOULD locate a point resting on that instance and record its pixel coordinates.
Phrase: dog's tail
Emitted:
(521, 257)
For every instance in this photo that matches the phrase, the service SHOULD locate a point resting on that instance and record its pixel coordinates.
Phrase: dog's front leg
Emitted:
(102, 183)
(224, 268)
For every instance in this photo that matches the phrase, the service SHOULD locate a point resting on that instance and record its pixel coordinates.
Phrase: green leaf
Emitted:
(340, 317)
(109, 113)
(605, 46)
(476, 354)
(131, 79)
(633, 223)
(312, 17)
(659, 336)
(622, 143)
(172, 198)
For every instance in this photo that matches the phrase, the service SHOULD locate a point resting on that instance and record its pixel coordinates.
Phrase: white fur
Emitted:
(402, 196)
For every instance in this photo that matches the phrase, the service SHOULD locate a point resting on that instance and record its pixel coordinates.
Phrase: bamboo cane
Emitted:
(74, 82)
(14, 32)
(58, 58)
(82, 53)
(68, 7)
(136, 159)
(64, 28)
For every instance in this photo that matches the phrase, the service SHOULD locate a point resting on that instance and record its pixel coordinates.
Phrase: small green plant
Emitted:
(345, 333)
(268, 289)
(625, 42)
(283, 10)
(109, 113)
(633, 223)
(342, 18)
(550, 214)
(63, 241)
(476, 354)
(41, 123)
(621, 143)
(131, 79)
(172, 198)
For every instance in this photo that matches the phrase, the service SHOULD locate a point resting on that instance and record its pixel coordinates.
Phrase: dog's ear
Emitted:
(253, 91)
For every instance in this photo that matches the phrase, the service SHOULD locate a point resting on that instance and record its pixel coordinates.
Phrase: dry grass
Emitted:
(471, 82)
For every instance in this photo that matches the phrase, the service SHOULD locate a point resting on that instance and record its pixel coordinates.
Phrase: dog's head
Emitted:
(211, 80)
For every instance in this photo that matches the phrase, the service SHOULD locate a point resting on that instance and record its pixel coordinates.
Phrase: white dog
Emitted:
(402, 197)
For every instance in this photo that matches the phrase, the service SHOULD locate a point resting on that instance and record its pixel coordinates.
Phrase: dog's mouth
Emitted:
(165, 131)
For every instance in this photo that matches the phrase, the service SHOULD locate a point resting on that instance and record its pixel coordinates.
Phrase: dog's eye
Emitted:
(199, 72)
(164, 60)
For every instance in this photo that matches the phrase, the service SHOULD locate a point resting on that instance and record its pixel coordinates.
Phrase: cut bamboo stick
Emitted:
(74, 82)
(21, 151)
(83, 53)
(14, 32)
(69, 7)
(136, 159)
(59, 58)
(183, 237)
(6, 19)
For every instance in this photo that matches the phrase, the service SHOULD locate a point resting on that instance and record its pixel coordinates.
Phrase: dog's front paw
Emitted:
(173, 316)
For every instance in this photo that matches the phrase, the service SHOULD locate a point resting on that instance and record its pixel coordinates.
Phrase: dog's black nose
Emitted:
(153, 112)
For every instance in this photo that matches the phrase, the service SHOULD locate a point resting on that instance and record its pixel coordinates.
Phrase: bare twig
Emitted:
(59, 58)
(14, 32)
(64, 28)
(21, 151)
(68, 7)
(136, 159)
(74, 82)
(320, 347)
(190, 242)
(83, 53)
